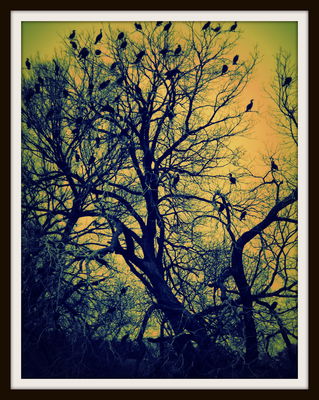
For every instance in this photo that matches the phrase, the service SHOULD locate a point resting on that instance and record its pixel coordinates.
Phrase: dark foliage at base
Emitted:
(52, 355)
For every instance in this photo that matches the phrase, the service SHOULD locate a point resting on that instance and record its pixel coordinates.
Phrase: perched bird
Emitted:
(273, 305)
(217, 29)
(120, 36)
(138, 27)
(104, 84)
(232, 179)
(97, 142)
(178, 50)
(91, 160)
(159, 23)
(98, 52)
(65, 93)
(250, 105)
(233, 27)
(235, 59)
(164, 51)
(243, 215)
(74, 45)
(224, 69)
(123, 45)
(287, 81)
(99, 37)
(167, 27)
(84, 53)
(113, 66)
(175, 180)
(28, 64)
(108, 108)
(221, 208)
(171, 73)
(274, 166)
(77, 157)
(140, 54)
(206, 26)
(72, 35)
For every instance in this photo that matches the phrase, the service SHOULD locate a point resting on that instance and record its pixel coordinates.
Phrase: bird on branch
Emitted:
(235, 59)
(287, 81)
(84, 53)
(224, 69)
(138, 27)
(206, 26)
(232, 179)
(243, 215)
(274, 166)
(74, 45)
(167, 27)
(72, 35)
(233, 27)
(175, 181)
(250, 105)
(120, 36)
(178, 50)
(28, 64)
(99, 37)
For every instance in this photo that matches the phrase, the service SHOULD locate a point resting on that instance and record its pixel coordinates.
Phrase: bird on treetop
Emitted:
(217, 29)
(159, 23)
(287, 81)
(72, 35)
(235, 59)
(84, 53)
(28, 64)
(178, 50)
(232, 179)
(138, 26)
(224, 69)
(250, 105)
(274, 166)
(243, 215)
(233, 27)
(99, 37)
(120, 36)
(123, 45)
(74, 45)
(167, 27)
(206, 26)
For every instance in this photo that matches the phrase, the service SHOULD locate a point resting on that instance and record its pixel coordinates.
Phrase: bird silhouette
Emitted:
(170, 74)
(287, 81)
(72, 35)
(167, 27)
(224, 69)
(274, 166)
(77, 157)
(233, 27)
(138, 27)
(84, 53)
(221, 208)
(98, 52)
(273, 305)
(243, 215)
(206, 26)
(108, 108)
(178, 50)
(164, 52)
(28, 64)
(217, 29)
(123, 45)
(235, 59)
(175, 180)
(91, 160)
(65, 93)
(104, 84)
(232, 179)
(120, 36)
(113, 66)
(99, 37)
(250, 105)
(159, 23)
(140, 54)
(74, 45)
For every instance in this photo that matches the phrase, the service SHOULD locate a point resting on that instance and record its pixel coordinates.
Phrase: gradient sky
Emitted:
(46, 38)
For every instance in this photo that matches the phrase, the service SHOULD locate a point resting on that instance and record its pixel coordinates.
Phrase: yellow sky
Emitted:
(46, 38)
